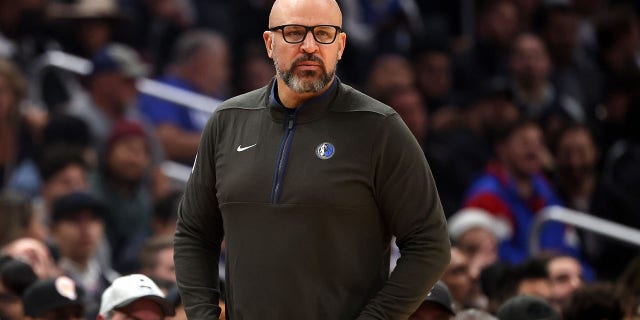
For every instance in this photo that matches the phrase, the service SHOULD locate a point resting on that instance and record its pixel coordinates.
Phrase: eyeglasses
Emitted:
(295, 33)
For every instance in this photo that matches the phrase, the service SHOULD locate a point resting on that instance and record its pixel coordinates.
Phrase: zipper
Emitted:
(282, 158)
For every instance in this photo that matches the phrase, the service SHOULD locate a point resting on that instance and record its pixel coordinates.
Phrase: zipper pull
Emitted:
(291, 119)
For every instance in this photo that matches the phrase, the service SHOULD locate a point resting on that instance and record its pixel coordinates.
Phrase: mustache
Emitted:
(307, 57)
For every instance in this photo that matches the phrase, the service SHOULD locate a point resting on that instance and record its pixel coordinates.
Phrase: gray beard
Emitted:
(299, 85)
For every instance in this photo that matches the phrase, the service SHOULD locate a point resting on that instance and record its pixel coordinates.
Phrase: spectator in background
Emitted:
(595, 301)
(462, 284)
(476, 233)
(497, 28)
(63, 170)
(388, 72)
(15, 277)
(255, 69)
(77, 228)
(112, 91)
(531, 277)
(565, 275)
(525, 307)
(575, 72)
(576, 157)
(58, 298)
(35, 253)
(200, 64)
(437, 305)
(514, 188)
(121, 184)
(16, 138)
(64, 129)
(91, 24)
(82, 28)
(377, 28)
(497, 283)
(134, 297)
(156, 259)
(157, 25)
(535, 95)
(408, 103)
(434, 77)
(458, 154)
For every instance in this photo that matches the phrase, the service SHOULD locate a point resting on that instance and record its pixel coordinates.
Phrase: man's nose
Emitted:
(309, 44)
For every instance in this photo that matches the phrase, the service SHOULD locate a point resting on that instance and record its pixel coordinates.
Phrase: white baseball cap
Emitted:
(127, 289)
(469, 218)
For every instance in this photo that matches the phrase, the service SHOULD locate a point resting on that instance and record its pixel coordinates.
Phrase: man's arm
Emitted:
(408, 199)
(199, 234)
(178, 144)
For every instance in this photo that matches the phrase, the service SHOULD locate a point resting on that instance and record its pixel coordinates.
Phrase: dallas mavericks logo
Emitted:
(325, 150)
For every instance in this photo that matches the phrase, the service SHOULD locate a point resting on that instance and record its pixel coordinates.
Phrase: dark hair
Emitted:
(595, 301)
(56, 158)
(497, 282)
(533, 268)
(68, 129)
(502, 134)
(166, 208)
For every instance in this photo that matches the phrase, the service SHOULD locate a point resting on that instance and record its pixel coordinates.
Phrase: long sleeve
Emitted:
(408, 199)
(199, 234)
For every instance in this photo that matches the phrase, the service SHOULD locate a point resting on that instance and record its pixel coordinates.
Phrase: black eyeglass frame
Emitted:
(306, 31)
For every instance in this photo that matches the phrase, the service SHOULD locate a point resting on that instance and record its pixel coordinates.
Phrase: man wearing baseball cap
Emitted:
(437, 305)
(56, 298)
(134, 297)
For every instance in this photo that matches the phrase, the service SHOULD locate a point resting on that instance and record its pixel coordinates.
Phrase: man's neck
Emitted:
(291, 99)
(78, 263)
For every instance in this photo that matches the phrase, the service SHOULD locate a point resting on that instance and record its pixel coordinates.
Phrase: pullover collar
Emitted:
(310, 110)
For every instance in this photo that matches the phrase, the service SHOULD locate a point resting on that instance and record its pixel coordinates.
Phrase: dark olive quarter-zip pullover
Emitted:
(307, 201)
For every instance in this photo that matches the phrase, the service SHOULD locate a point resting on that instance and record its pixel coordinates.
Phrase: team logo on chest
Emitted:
(325, 150)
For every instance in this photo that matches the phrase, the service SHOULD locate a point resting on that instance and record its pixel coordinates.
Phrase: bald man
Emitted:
(307, 180)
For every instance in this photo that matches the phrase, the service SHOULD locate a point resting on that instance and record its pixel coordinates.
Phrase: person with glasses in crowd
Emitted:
(307, 180)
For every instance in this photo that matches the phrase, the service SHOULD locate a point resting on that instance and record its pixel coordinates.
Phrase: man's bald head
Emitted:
(305, 12)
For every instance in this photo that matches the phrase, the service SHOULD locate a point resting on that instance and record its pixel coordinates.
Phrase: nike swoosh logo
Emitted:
(241, 148)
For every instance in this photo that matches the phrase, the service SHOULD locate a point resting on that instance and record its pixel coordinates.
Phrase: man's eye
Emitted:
(294, 33)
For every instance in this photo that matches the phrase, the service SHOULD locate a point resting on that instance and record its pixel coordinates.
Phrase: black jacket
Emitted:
(307, 237)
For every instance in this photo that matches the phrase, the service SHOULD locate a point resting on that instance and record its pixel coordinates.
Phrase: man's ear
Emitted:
(268, 42)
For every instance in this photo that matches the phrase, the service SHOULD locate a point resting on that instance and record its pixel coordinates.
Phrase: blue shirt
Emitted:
(160, 111)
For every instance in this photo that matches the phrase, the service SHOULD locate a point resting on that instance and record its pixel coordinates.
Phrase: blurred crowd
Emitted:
(519, 105)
